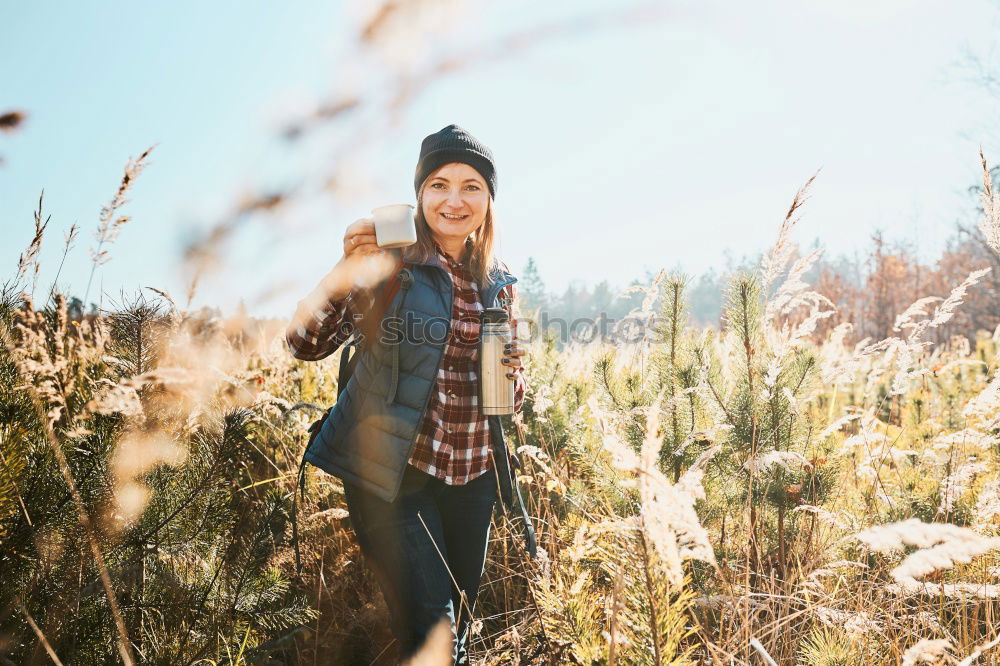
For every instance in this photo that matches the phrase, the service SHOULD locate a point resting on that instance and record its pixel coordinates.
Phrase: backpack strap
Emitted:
(405, 280)
(300, 485)
(348, 362)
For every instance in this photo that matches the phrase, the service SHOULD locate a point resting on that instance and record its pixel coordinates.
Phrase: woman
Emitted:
(406, 436)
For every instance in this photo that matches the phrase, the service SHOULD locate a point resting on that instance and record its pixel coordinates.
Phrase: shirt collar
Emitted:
(446, 258)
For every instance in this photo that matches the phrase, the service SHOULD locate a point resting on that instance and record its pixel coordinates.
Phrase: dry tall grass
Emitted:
(753, 495)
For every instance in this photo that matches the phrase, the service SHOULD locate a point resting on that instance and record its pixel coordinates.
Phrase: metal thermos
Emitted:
(496, 391)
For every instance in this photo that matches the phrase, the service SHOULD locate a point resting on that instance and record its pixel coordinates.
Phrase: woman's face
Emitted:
(455, 201)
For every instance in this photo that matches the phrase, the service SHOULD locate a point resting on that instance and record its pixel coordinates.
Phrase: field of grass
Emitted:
(760, 494)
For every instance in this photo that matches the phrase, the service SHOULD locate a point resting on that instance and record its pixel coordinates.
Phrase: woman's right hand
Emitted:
(359, 239)
(364, 263)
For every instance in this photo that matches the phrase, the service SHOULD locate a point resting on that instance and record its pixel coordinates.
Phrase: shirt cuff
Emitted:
(319, 308)
(339, 308)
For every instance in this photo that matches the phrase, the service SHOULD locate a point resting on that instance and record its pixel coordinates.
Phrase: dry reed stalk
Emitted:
(777, 258)
(166, 296)
(979, 651)
(69, 237)
(463, 600)
(990, 223)
(616, 608)
(30, 256)
(41, 636)
(944, 312)
(83, 516)
(668, 518)
(11, 120)
(8, 465)
(108, 225)
(755, 644)
(940, 545)
(795, 293)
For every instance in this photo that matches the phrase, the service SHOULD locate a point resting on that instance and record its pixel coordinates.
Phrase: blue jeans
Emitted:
(412, 559)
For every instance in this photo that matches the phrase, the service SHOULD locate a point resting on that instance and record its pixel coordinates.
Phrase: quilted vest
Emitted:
(369, 435)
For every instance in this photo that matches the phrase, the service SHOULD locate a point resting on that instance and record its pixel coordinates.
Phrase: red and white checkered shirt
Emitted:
(452, 442)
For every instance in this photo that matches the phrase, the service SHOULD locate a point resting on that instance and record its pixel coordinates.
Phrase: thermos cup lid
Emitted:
(495, 316)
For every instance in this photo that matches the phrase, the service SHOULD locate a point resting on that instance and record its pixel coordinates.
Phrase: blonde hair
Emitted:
(481, 260)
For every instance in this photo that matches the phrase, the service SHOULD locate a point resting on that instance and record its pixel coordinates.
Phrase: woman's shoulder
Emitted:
(508, 293)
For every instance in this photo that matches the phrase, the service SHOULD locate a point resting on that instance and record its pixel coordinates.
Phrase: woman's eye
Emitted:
(474, 188)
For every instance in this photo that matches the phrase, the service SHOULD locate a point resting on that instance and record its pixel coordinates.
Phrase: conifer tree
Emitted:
(531, 287)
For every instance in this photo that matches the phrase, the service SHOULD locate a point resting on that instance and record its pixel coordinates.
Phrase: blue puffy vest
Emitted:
(369, 435)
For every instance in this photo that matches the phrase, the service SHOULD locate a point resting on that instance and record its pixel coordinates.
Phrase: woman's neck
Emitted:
(453, 247)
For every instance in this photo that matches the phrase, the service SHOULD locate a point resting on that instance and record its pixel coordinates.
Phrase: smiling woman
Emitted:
(421, 463)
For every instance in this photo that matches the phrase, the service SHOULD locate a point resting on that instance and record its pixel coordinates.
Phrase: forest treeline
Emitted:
(868, 289)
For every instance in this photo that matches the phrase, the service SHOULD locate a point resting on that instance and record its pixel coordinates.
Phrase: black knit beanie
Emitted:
(454, 144)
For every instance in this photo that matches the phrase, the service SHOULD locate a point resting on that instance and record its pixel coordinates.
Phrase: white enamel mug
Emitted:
(394, 225)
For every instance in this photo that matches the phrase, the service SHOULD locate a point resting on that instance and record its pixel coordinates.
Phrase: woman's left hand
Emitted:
(512, 353)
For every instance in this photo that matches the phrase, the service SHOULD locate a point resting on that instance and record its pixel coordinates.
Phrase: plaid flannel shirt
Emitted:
(452, 442)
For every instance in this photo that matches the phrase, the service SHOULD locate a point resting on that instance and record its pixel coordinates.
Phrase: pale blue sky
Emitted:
(658, 144)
